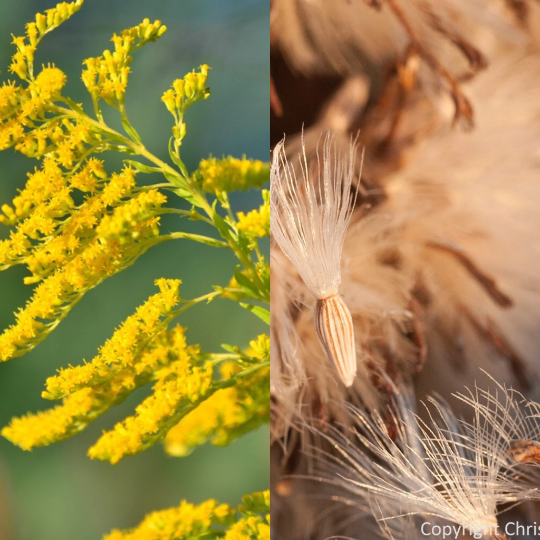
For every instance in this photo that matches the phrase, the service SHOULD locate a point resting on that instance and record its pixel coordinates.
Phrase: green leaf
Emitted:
(246, 245)
(223, 198)
(262, 313)
(195, 216)
(130, 130)
(188, 196)
(219, 222)
(126, 150)
(113, 136)
(203, 239)
(181, 184)
(176, 160)
(246, 285)
(141, 167)
(175, 179)
(75, 106)
(230, 348)
(179, 163)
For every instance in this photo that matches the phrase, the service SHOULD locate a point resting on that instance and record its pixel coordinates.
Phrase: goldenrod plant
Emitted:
(76, 223)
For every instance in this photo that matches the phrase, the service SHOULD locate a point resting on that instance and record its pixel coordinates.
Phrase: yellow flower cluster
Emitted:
(208, 520)
(57, 294)
(260, 348)
(187, 91)
(106, 76)
(224, 416)
(184, 391)
(47, 199)
(182, 95)
(123, 349)
(256, 223)
(23, 59)
(60, 243)
(23, 122)
(49, 83)
(250, 528)
(52, 425)
(231, 174)
(185, 522)
(255, 525)
(83, 406)
(180, 387)
(133, 218)
(69, 238)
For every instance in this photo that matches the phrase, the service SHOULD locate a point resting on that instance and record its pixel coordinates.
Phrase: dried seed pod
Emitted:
(334, 327)
(525, 452)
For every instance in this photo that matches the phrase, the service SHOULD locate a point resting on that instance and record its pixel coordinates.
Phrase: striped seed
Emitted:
(334, 326)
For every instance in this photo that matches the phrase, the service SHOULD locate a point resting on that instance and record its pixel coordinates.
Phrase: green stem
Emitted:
(141, 150)
(190, 303)
(195, 237)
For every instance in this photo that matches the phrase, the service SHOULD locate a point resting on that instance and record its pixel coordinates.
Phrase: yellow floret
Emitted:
(256, 223)
(50, 82)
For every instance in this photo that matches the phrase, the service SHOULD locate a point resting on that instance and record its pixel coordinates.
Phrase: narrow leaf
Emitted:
(141, 167)
(262, 313)
(130, 130)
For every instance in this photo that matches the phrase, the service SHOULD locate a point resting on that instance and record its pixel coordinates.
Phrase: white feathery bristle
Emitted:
(506, 427)
(443, 467)
(310, 215)
(286, 365)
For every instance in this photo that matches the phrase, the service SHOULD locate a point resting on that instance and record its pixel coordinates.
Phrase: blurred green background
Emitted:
(57, 493)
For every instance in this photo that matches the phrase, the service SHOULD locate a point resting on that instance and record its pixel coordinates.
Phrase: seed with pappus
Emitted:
(309, 222)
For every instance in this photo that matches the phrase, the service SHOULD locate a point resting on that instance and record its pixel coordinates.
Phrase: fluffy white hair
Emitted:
(442, 467)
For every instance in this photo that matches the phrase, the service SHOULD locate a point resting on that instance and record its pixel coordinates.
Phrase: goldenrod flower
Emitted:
(250, 528)
(207, 520)
(230, 174)
(75, 254)
(23, 59)
(224, 416)
(187, 91)
(181, 523)
(180, 387)
(106, 77)
(133, 218)
(256, 223)
(49, 82)
(124, 347)
(84, 405)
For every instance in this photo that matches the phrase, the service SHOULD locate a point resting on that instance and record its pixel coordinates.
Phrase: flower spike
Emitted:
(309, 219)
